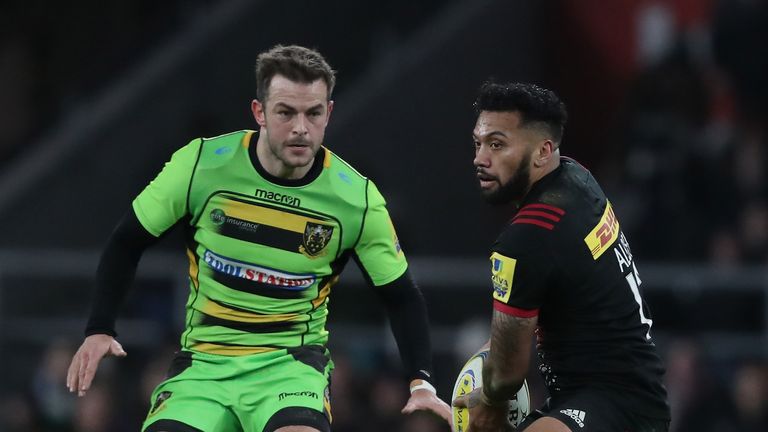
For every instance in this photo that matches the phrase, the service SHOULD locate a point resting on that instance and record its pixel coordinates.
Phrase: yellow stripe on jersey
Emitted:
(193, 269)
(324, 292)
(327, 407)
(229, 350)
(327, 159)
(604, 233)
(216, 310)
(267, 216)
(247, 139)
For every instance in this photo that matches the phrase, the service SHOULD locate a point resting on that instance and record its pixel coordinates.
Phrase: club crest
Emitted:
(316, 238)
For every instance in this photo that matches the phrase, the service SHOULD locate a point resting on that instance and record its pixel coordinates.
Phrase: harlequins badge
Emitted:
(316, 238)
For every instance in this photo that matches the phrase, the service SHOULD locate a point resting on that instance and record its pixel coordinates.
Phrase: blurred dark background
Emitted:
(667, 102)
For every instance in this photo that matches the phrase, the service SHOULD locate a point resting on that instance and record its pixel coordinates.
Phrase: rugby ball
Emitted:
(470, 378)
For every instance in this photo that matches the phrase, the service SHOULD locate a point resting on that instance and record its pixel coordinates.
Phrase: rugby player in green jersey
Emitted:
(271, 218)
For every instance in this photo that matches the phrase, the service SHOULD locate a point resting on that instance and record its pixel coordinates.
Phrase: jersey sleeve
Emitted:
(164, 201)
(378, 249)
(520, 271)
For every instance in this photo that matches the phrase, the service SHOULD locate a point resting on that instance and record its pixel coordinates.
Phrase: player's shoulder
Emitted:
(570, 194)
(551, 210)
(226, 143)
(217, 150)
(342, 169)
(349, 183)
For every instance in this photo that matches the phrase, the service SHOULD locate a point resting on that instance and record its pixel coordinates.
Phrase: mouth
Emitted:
(298, 147)
(486, 181)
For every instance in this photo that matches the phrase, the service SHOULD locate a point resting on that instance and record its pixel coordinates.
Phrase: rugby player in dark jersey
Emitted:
(563, 270)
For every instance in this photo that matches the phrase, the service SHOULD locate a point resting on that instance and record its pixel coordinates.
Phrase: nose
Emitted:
(481, 158)
(300, 125)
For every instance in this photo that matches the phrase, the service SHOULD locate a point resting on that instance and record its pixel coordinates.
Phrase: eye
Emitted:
(495, 145)
(476, 144)
(314, 114)
(283, 113)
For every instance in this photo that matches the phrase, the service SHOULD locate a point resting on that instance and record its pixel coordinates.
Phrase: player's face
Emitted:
(294, 117)
(503, 153)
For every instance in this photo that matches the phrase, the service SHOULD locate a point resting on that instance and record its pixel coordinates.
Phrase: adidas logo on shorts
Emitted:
(576, 415)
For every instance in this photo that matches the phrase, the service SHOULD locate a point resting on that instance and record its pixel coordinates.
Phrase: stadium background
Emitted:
(667, 104)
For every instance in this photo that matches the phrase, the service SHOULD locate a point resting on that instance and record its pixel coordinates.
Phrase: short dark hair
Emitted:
(297, 63)
(538, 107)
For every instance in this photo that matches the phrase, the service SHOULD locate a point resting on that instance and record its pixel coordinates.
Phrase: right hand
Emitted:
(86, 361)
(482, 417)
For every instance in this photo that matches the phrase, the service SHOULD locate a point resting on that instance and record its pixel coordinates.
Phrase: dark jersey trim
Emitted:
(167, 425)
(313, 173)
(298, 416)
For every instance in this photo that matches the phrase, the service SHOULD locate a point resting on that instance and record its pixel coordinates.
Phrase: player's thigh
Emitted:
(582, 411)
(183, 409)
(293, 391)
(547, 424)
(187, 401)
(170, 426)
(297, 429)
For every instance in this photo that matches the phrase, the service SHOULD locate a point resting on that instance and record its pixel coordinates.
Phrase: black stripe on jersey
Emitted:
(254, 287)
(229, 306)
(264, 235)
(266, 327)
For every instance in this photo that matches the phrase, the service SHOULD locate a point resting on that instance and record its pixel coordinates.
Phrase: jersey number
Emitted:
(633, 279)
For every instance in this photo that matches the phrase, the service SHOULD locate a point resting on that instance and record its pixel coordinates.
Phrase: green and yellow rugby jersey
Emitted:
(264, 252)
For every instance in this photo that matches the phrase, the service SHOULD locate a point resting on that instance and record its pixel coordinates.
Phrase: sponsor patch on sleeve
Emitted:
(604, 233)
(502, 274)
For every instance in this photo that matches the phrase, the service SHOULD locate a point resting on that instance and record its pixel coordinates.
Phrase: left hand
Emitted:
(482, 417)
(426, 400)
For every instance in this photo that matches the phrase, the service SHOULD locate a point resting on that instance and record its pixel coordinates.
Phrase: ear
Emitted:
(257, 108)
(330, 110)
(544, 153)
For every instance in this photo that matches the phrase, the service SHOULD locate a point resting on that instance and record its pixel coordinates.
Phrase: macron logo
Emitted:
(576, 415)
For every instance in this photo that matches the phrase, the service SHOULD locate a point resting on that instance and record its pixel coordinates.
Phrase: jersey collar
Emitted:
(312, 174)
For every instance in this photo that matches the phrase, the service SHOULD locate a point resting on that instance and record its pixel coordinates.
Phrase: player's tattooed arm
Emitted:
(509, 357)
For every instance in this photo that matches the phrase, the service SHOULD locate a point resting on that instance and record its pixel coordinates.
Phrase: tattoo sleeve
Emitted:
(509, 357)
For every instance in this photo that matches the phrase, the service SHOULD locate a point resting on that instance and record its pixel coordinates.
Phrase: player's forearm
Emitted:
(117, 268)
(410, 326)
(509, 357)
(500, 382)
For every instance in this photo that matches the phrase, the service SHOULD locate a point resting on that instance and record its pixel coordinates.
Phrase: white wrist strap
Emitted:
(425, 385)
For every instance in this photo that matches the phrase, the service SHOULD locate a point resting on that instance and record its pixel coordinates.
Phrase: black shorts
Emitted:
(594, 411)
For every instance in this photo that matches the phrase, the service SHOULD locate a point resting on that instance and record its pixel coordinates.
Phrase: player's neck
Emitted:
(538, 173)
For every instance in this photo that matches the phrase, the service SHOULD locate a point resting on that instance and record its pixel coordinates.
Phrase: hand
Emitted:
(86, 361)
(482, 417)
(426, 400)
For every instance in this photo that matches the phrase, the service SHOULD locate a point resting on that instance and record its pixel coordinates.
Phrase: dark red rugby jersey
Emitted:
(563, 257)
